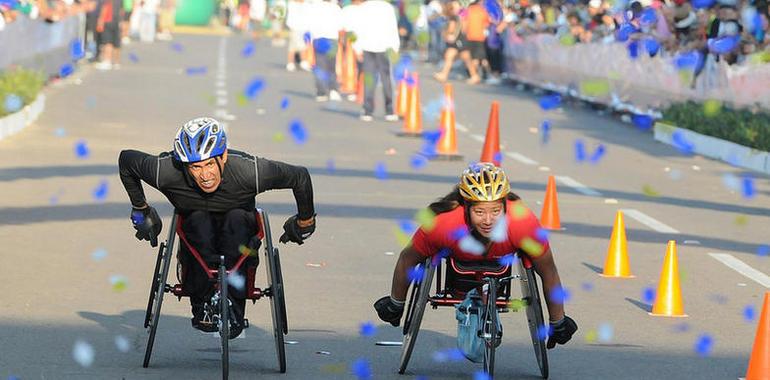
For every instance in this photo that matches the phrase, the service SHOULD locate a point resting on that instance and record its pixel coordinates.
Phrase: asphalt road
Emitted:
(64, 249)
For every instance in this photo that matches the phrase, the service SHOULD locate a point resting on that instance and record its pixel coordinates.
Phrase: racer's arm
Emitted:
(134, 167)
(408, 259)
(278, 175)
(546, 268)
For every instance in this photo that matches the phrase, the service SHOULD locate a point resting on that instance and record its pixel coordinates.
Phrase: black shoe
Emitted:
(237, 307)
(199, 320)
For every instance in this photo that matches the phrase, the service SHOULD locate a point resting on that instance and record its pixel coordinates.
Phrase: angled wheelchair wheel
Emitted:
(154, 285)
(224, 318)
(531, 293)
(418, 302)
(159, 287)
(277, 301)
(490, 332)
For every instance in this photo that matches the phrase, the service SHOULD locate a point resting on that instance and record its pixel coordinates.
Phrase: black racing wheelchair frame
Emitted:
(274, 290)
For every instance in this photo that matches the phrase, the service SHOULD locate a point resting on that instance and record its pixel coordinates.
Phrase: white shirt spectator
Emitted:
(326, 20)
(350, 17)
(297, 15)
(257, 9)
(378, 27)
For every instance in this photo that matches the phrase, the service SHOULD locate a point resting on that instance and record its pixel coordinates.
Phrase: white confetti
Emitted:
(471, 245)
(389, 253)
(500, 230)
(611, 201)
(99, 254)
(122, 343)
(83, 353)
(605, 332)
(236, 281)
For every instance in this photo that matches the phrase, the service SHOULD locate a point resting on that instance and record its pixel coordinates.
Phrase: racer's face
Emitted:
(207, 174)
(484, 215)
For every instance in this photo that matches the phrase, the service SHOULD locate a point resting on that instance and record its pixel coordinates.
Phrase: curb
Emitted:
(712, 147)
(15, 122)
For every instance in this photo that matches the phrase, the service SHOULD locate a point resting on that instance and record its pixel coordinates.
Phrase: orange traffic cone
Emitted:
(402, 97)
(310, 54)
(339, 64)
(549, 217)
(350, 71)
(759, 363)
(413, 120)
(447, 144)
(616, 264)
(668, 299)
(492, 141)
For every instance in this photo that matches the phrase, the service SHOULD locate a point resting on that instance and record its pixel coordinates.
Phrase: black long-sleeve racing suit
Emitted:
(218, 222)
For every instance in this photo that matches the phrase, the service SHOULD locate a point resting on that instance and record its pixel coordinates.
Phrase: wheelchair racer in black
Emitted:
(213, 189)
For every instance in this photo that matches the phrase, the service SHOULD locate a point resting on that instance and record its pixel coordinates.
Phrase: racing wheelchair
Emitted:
(493, 280)
(219, 301)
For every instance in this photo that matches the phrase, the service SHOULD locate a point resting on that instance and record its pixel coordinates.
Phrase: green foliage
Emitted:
(741, 126)
(21, 82)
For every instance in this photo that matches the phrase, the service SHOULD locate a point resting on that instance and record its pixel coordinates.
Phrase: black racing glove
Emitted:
(147, 224)
(389, 310)
(561, 331)
(294, 233)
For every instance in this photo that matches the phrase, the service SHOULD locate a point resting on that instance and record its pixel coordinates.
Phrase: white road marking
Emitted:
(221, 92)
(579, 187)
(221, 101)
(521, 158)
(461, 128)
(649, 221)
(220, 83)
(742, 268)
(478, 138)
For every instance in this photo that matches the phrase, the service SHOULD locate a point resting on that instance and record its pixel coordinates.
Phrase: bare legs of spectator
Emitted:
(449, 58)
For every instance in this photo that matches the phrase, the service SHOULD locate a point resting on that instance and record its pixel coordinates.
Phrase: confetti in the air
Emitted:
(76, 49)
(471, 245)
(237, 281)
(643, 122)
(703, 345)
(763, 250)
(499, 232)
(681, 142)
(197, 70)
(381, 171)
(254, 87)
(416, 274)
(278, 137)
(284, 102)
(448, 355)
(12, 103)
(543, 332)
(360, 368)
(426, 218)
(119, 283)
(560, 295)
(508, 260)
(648, 295)
(747, 187)
(682, 327)
(101, 190)
(122, 343)
(367, 329)
(418, 161)
(81, 149)
(649, 191)
(248, 49)
(580, 150)
(60, 132)
(481, 375)
(83, 353)
(605, 332)
(133, 57)
(749, 313)
(587, 286)
(66, 70)
(99, 254)
(177, 47)
(723, 45)
(298, 132)
(549, 102)
(598, 154)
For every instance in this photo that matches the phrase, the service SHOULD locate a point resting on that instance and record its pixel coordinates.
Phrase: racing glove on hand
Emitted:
(294, 233)
(389, 310)
(147, 224)
(561, 331)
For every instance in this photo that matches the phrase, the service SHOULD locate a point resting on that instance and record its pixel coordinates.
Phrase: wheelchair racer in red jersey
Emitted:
(467, 226)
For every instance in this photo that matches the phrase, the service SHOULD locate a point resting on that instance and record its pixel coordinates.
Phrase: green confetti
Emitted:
(426, 218)
(590, 336)
(649, 191)
(741, 220)
(517, 304)
(334, 368)
(278, 137)
(532, 247)
(595, 88)
(519, 211)
(242, 100)
(567, 40)
(712, 107)
(402, 238)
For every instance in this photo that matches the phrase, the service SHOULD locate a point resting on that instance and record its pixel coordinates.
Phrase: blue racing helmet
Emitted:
(200, 139)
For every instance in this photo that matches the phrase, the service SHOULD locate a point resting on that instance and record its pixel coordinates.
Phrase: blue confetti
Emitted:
(284, 103)
(432, 136)
(133, 57)
(416, 274)
(699, 4)
(763, 250)
(418, 161)
(402, 68)
(81, 149)
(624, 32)
(298, 132)
(652, 46)
(648, 16)
(545, 131)
(682, 327)
(648, 295)
(723, 45)
(704, 345)
(550, 102)
(541, 234)
(681, 143)
(99, 254)
(587, 286)
(76, 49)
(580, 150)
(12, 103)
(691, 60)
(643, 122)
(322, 45)
(367, 329)
(498, 158)
(381, 171)
(101, 190)
(321, 74)
(598, 154)
(66, 70)
(481, 375)
(360, 368)
(254, 87)
(330, 166)
(508, 260)
(748, 187)
(248, 49)
(633, 49)
(447, 355)
(137, 217)
(494, 10)
(543, 332)
(177, 47)
(748, 313)
(560, 295)
(307, 38)
(459, 233)
(196, 70)
(407, 226)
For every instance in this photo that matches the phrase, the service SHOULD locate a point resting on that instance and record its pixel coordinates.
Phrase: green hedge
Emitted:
(741, 126)
(21, 82)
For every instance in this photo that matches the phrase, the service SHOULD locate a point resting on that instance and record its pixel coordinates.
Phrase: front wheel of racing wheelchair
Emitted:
(420, 298)
(274, 291)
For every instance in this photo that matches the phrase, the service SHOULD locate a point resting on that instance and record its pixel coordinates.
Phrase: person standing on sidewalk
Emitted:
(377, 36)
(108, 29)
(325, 28)
(296, 20)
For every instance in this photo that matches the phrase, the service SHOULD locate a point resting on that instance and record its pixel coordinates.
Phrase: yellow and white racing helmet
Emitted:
(484, 182)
